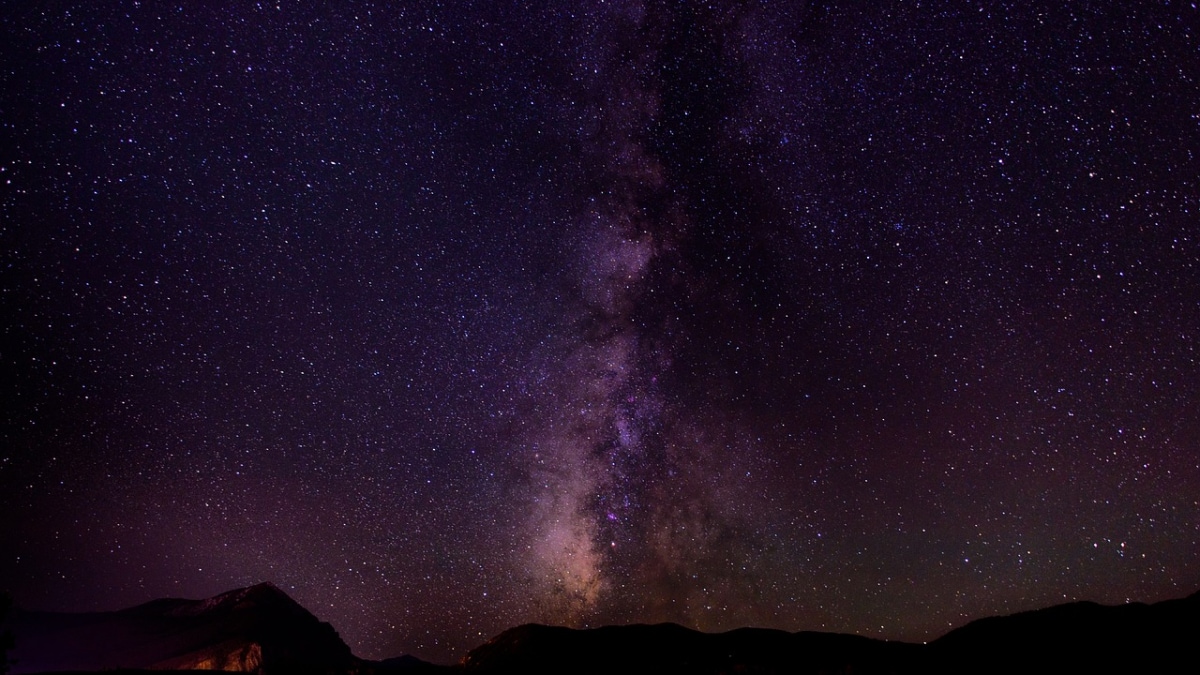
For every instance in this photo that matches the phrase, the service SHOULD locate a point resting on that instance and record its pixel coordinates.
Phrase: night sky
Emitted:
(451, 316)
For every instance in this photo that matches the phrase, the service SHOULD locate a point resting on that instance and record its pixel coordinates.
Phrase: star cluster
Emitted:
(451, 316)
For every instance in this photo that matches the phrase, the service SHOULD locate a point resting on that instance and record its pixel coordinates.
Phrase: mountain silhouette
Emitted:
(669, 648)
(260, 629)
(1075, 638)
(1080, 637)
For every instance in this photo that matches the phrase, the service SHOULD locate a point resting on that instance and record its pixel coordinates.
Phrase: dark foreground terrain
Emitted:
(261, 629)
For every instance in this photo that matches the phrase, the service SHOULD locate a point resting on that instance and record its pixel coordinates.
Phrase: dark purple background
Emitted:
(447, 317)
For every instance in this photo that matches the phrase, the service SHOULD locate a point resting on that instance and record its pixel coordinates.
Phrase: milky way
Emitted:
(454, 316)
(620, 525)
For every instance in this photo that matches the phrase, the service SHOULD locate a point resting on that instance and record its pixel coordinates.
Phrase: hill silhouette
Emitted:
(260, 629)
(1074, 638)
(248, 629)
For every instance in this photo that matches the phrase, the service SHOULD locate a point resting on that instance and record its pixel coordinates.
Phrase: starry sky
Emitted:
(451, 316)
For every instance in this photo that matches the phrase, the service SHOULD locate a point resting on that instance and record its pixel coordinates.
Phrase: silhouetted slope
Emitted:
(403, 665)
(261, 629)
(669, 648)
(1075, 638)
(1081, 637)
(249, 629)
